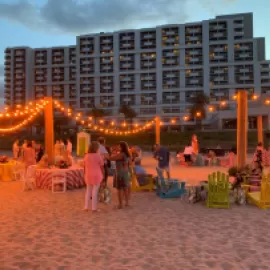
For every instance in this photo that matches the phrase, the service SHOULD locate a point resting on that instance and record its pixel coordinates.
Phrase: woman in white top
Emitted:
(188, 153)
(69, 147)
(16, 149)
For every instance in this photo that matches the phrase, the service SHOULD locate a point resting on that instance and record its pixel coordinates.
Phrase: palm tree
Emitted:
(197, 110)
(97, 113)
(128, 112)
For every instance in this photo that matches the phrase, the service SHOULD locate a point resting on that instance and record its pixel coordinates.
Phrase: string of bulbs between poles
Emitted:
(34, 108)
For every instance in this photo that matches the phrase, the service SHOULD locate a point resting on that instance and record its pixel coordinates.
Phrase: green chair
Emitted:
(218, 191)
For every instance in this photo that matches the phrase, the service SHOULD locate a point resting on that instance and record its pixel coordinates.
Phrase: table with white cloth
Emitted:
(74, 177)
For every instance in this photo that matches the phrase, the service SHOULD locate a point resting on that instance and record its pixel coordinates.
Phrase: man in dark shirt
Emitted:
(163, 156)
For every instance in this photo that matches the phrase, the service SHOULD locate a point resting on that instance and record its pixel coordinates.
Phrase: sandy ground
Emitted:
(41, 230)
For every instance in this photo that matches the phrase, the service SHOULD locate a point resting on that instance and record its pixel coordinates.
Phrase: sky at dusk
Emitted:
(46, 23)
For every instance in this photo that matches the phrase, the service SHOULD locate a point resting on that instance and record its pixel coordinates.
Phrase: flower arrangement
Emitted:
(4, 159)
(62, 164)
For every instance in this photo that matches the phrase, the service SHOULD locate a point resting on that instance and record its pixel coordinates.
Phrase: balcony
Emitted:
(194, 31)
(194, 59)
(217, 50)
(148, 64)
(245, 78)
(171, 62)
(218, 35)
(170, 40)
(244, 55)
(219, 71)
(218, 27)
(107, 87)
(148, 36)
(86, 42)
(148, 84)
(19, 53)
(148, 43)
(127, 85)
(194, 81)
(19, 65)
(171, 82)
(126, 45)
(106, 81)
(126, 65)
(106, 48)
(170, 75)
(106, 68)
(107, 61)
(218, 57)
(107, 41)
(238, 25)
(58, 54)
(126, 79)
(171, 33)
(238, 33)
(85, 49)
(125, 38)
(148, 78)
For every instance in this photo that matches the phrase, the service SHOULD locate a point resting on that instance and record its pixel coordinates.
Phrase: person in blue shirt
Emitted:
(141, 174)
(162, 155)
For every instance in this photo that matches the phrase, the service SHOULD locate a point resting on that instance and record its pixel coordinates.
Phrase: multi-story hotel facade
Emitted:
(157, 71)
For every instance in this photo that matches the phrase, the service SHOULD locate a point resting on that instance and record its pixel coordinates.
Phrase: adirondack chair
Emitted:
(218, 191)
(169, 188)
(261, 198)
(136, 187)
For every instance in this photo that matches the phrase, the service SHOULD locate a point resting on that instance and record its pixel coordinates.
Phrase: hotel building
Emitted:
(157, 71)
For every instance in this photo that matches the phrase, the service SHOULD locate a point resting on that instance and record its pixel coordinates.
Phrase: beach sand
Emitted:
(41, 230)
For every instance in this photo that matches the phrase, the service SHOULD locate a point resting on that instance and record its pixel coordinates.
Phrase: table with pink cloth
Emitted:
(74, 177)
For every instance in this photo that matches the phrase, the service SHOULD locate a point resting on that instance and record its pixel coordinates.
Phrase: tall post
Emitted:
(49, 129)
(157, 130)
(260, 128)
(242, 127)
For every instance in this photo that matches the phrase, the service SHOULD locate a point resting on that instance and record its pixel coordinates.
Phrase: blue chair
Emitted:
(169, 188)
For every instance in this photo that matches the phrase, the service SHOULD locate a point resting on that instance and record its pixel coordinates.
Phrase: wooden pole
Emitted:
(242, 127)
(49, 129)
(157, 130)
(260, 128)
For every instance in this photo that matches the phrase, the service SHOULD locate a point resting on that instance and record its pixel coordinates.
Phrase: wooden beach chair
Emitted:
(261, 198)
(135, 186)
(218, 191)
(169, 188)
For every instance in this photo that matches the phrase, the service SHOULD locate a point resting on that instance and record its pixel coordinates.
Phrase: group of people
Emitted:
(32, 153)
(29, 152)
(96, 166)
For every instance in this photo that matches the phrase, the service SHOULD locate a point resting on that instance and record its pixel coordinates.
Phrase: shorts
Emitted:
(166, 169)
(187, 158)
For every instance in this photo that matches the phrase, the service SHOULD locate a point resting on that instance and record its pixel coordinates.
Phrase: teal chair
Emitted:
(169, 188)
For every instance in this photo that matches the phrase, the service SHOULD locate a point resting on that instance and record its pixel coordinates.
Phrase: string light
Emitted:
(33, 108)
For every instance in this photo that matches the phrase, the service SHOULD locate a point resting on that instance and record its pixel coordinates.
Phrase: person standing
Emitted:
(57, 150)
(105, 155)
(122, 177)
(162, 155)
(62, 147)
(69, 147)
(93, 175)
(16, 150)
(29, 156)
(24, 146)
(194, 144)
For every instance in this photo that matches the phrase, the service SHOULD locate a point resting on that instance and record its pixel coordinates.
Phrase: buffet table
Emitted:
(74, 177)
(6, 170)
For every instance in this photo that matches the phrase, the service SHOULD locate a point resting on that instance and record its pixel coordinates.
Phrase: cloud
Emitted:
(2, 71)
(1, 89)
(89, 16)
(1, 81)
